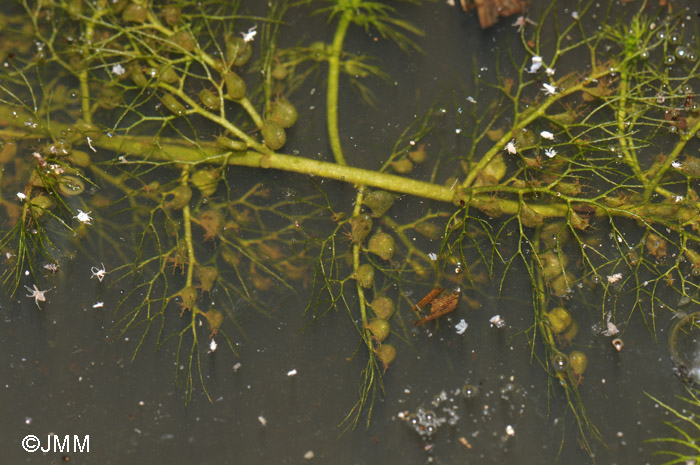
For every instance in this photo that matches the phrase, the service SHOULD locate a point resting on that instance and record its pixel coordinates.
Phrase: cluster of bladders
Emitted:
(565, 328)
(280, 116)
(381, 244)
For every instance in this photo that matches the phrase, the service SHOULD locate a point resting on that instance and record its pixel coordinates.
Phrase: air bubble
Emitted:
(560, 363)
(670, 60)
(469, 391)
(644, 55)
(674, 38)
(681, 52)
(683, 346)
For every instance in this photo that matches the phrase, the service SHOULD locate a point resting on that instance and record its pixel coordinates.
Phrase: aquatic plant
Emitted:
(156, 110)
(686, 427)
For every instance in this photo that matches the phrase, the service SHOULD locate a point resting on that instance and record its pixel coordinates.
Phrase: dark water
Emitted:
(65, 370)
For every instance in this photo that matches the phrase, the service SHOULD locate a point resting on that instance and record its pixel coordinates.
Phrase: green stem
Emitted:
(628, 154)
(333, 83)
(653, 185)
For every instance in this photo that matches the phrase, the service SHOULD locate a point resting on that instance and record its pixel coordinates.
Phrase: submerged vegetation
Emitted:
(136, 127)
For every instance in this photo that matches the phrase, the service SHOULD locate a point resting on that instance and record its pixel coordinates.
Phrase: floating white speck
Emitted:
(574, 14)
(99, 305)
(510, 431)
(612, 329)
(549, 89)
(458, 131)
(89, 141)
(550, 71)
(510, 147)
(292, 372)
(612, 279)
(461, 327)
(98, 273)
(83, 217)
(676, 164)
(250, 35)
(262, 420)
(547, 135)
(536, 64)
(432, 256)
(213, 346)
(118, 69)
(309, 455)
(21, 196)
(237, 366)
(471, 99)
(497, 321)
(551, 153)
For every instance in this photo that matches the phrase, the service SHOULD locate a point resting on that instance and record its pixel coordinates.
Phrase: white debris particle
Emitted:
(37, 294)
(574, 14)
(612, 329)
(309, 455)
(83, 217)
(471, 99)
(28, 421)
(549, 89)
(21, 196)
(536, 64)
(612, 279)
(551, 153)
(99, 305)
(676, 164)
(237, 367)
(547, 135)
(461, 327)
(98, 273)
(262, 420)
(292, 372)
(497, 321)
(510, 147)
(52, 267)
(250, 35)
(520, 22)
(458, 131)
(432, 256)
(510, 431)
(118, 69)
(213, 346)
(550, 71)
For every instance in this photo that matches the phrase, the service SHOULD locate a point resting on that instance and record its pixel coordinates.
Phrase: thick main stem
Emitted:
(333, 83)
